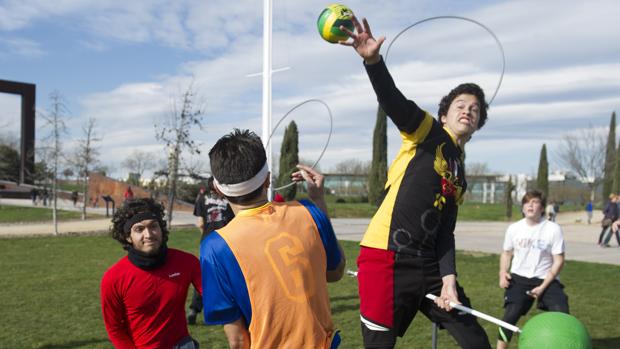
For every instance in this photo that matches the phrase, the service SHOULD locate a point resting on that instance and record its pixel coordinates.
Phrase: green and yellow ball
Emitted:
(330, 20)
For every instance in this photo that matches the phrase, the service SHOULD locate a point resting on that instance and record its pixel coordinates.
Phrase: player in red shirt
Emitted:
(143, 294)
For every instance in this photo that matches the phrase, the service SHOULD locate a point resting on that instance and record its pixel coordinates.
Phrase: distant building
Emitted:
(568, 188)
(491, 188)
(564, 187)
(346, 184)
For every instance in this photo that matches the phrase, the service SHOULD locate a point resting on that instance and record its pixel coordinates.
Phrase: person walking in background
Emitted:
(550, 211)
(44, 196)
(128, 194)
(212, 209)
(610, 215)
(199, 202)
(589, 211)
(613, 230)
(33, 195)
(74, 197)
(530, 265)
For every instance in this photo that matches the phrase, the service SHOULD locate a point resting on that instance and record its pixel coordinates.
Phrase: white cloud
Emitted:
(20, 47)
(562, 71)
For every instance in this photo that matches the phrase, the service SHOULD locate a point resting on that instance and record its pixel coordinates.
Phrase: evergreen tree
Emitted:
(289, 158)
(615, 188)
(378, 168)
(542, 181)
(610, 159)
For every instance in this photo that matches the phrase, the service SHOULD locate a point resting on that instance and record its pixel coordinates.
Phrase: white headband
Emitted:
(240, 189)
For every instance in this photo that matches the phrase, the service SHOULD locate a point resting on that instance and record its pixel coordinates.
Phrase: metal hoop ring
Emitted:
(329, 136)
(499, 44)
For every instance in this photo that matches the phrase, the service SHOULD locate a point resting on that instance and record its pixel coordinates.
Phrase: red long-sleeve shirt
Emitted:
(146, 308)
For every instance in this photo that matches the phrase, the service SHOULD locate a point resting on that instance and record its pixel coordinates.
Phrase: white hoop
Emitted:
(329, 136)
(499, 44)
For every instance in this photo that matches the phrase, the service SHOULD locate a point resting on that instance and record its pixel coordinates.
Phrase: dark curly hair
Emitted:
(469, 89)
(131, 208)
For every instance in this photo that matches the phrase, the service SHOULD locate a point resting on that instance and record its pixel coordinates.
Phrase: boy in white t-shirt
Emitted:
(535, 246)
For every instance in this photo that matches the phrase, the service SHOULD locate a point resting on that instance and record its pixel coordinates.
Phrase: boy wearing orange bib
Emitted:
(265, 274)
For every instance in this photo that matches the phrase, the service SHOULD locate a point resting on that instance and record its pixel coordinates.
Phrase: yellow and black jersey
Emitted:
(425, 183)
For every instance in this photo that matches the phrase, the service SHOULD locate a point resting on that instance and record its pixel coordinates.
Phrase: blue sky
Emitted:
(123, 62)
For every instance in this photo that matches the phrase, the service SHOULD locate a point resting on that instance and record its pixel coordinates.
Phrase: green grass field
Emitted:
(353, 208)
(467, 212)
(18, 214)
(50, 295)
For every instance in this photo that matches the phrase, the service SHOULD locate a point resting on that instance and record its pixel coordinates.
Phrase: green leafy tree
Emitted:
(610, 158)
(42, 172)
(542, 180)
(9, 163)
(616, 179)
(378, 168)
(289, 158)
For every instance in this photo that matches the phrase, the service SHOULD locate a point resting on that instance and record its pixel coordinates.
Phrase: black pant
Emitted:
(606, 236)
(517, 303)
(602, 234)
(196, 304)
(413, 278)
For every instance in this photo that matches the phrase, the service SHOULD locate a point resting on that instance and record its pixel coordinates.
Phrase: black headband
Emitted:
(139, 217)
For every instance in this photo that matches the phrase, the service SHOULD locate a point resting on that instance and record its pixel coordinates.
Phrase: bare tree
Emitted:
(477, 169)
(353, 166)
(583, 152)
(138, 162)
(176, 134)
(85, 157)
(194, 168)
(54, 120)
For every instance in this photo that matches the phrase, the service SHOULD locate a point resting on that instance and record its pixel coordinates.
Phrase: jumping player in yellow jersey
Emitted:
(408, 249)
(265, 274)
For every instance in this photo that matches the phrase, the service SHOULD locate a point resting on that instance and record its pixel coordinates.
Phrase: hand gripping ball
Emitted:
(554, 330)
(330, 20)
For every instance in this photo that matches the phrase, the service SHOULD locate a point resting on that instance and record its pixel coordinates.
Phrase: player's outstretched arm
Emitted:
(363, 41)
(405, 114)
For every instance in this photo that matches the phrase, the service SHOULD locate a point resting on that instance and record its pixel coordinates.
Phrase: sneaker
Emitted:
(191, 317)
